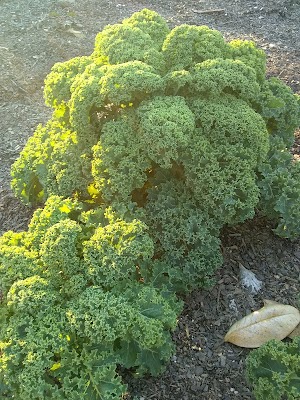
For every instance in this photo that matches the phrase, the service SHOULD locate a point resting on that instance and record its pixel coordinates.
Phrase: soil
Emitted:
(34, 35)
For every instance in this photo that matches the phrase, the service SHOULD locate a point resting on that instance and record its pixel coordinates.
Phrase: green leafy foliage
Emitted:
(279, 183)
(188, 45)
(186, 238)
(55, 160)
(157, 140)
(77, 305)
(150, 101)
(247, 52)
(280, 108)
(274, 370)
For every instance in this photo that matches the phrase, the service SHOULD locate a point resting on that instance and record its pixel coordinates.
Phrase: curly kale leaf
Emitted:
(59, 253)
(247, 52)
(72, 350)
(274, 370)
(119, 162)
(129, 146)
(166, 126)
(85, 95)
(217, 76)
(134, 324)
(150, 23)
(112, 44)
(59, 81)
(187, 244)
(112, 262)
(79, 305)
(17, 260)
(54, 161)
(139, 37)
(187, 45)
(278, 180)
(280, 108)
(31, 343)
(30, 295)
(129, 82)
(229, 142)
(56, 209)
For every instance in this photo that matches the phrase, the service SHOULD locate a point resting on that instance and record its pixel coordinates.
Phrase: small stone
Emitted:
(199, 370)
(222, 360)
(196, 387)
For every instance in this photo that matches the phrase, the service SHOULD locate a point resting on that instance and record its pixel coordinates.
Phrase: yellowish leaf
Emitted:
(78, 34)
(65, 209)
(273, 321)
(55, 366)
(295, 332)
(92, 190)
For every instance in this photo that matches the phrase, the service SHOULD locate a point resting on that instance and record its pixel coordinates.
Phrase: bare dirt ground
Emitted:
(34, 35)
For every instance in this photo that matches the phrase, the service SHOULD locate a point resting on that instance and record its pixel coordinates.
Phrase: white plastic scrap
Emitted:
(249, 280)
(232, 305)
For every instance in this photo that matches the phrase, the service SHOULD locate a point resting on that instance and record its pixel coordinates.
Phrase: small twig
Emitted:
(253, 249)
(218, 298)
(19, 87)
(187, 331)
(216, 10)
(3, 87)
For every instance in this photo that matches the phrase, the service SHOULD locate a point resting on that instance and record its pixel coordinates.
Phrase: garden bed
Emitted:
(36, 35)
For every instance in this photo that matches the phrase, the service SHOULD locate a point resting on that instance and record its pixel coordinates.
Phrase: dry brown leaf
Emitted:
(78, 34)
(273, 321)
(296, 332)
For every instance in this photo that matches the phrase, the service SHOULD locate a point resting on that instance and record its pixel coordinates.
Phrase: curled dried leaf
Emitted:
(273, 321)
(295, 332)
(76, 33)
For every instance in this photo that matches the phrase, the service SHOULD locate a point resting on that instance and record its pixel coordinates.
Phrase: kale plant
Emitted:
(157, 112)
(75, 305)
(274, 370)
(157, 140)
